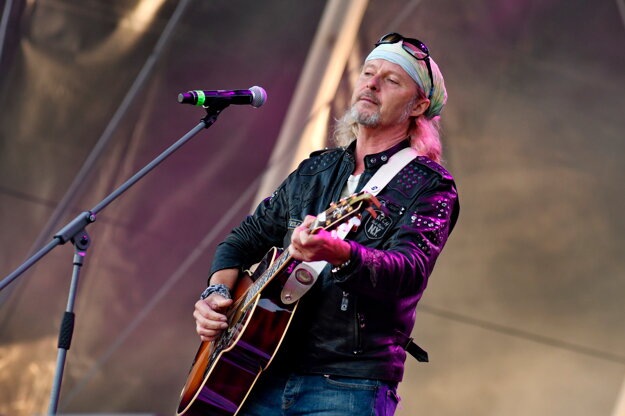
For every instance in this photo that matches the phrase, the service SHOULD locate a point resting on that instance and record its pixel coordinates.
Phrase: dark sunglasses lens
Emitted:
(419, 51)
(390, 38)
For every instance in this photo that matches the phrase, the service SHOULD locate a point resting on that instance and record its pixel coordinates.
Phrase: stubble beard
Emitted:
(365, 119)
(373, 119)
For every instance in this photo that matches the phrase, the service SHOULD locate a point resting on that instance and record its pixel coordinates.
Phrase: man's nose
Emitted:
(372, 83)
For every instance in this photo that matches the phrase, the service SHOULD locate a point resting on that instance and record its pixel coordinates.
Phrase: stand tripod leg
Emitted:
(67, 325)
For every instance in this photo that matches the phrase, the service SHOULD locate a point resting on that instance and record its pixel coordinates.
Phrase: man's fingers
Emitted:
(215, 302)
(207, 334)
(293, 251)
(301, 233)
(217, 322)
(209, 329)
(308, 221)
(208, 316)
(219, 303)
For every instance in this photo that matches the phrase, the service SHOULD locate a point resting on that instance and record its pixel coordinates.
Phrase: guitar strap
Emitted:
(388, 171)
(305, 274)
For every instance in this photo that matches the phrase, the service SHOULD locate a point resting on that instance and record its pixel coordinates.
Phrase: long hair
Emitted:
(424, 132)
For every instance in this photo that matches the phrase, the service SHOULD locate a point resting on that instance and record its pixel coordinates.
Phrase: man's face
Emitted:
(384, 94)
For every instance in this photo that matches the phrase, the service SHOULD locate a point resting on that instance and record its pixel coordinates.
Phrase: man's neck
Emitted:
(375, 140)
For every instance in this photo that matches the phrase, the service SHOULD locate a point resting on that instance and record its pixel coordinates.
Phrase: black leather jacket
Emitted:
(356, 322)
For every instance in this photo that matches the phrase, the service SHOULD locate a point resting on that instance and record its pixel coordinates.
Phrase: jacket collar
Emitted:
(376, 160)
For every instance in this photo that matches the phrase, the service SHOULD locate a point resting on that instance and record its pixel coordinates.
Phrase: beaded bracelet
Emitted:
(341, 266)
(218, 288)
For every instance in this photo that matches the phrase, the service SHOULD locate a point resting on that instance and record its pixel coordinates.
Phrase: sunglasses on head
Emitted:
(415, 48)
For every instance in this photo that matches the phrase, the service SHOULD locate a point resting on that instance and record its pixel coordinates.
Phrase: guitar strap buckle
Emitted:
(300, 281)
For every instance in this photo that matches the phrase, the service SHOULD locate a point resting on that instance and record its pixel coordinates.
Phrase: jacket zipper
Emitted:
(345, 301)
(359, 321)
(359, 324)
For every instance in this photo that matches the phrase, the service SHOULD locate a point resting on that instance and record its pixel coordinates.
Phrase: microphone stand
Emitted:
(75, 231)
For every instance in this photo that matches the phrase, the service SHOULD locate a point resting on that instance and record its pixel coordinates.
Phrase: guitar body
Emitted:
(225, 370)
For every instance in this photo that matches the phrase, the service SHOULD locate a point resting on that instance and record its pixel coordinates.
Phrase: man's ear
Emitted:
(420, 107)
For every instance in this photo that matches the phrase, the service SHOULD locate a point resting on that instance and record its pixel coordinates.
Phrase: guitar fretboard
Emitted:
(260, 283)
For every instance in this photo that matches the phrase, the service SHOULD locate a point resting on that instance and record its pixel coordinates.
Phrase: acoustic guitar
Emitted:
(225, 369)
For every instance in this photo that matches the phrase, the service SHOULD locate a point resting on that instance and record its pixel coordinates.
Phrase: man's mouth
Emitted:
(368, 98)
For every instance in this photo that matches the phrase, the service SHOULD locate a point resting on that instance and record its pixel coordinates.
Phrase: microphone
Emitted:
(256, 96)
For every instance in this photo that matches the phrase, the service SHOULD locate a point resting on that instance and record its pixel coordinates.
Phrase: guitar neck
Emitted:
(283, 259)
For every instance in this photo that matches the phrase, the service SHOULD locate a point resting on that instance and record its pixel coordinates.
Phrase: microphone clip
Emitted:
(212, 112)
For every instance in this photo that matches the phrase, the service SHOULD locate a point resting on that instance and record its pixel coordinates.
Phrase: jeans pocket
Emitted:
(351, 383)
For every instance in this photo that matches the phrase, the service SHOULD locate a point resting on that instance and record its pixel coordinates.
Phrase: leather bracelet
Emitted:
(218, 288)
(341, 266)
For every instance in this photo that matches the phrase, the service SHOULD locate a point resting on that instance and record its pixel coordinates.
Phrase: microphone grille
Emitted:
(259, 96)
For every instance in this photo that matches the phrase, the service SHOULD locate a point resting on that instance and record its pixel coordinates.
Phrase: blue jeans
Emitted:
(319, 395)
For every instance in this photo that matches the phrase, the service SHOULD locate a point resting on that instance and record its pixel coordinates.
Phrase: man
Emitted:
(344, 352)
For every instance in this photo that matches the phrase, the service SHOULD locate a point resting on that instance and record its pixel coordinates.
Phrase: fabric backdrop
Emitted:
(524, 312)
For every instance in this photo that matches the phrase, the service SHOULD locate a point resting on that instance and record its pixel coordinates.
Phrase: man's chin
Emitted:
(367, 119)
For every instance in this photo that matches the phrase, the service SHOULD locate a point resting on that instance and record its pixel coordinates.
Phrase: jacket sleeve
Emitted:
(257, 233)
(406, 261)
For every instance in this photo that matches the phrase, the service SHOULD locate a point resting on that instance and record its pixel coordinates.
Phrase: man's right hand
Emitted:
(210, 318)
